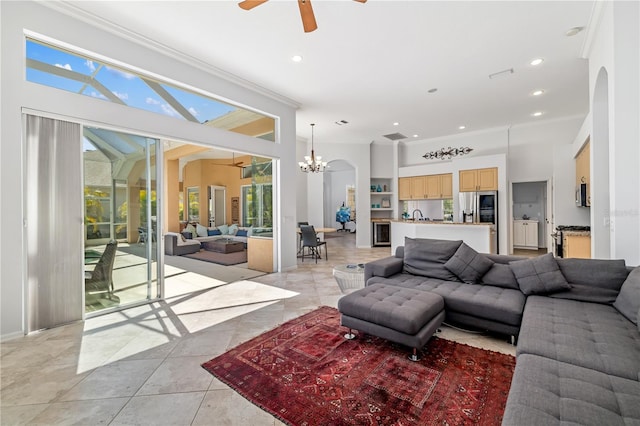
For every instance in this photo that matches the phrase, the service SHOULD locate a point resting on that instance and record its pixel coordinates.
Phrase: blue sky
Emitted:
(128, 87)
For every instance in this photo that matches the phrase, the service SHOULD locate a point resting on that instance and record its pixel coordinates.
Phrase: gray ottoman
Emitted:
(401, 315)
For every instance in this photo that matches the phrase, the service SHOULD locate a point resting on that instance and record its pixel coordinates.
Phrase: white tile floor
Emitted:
(142, 365)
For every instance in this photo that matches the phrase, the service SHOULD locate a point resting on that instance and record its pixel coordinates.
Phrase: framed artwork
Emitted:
(385, 203)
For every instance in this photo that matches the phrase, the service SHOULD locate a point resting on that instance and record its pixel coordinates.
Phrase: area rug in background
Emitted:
(305, 372)
(220, 258)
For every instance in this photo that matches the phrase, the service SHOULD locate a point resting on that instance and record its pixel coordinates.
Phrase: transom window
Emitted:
(55, 67)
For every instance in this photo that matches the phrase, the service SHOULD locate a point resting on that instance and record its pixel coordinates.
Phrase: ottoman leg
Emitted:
(414, 356)
(350, 335)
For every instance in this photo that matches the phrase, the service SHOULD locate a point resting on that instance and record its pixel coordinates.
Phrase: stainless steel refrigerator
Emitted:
(481, 207)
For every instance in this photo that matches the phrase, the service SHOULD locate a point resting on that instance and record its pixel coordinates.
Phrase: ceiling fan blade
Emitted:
(250, 4)
(361, 1)
(308, 18)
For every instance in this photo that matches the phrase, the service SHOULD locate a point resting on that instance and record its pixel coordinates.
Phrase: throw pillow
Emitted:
(592, 280)
(212, 232)
(468, 264)
(426, 257)
(539, 275)
(628, 300)
(501, 275)
(233, 229)
(241, 233)
(201, 230)
(191, 228)
(224, 229)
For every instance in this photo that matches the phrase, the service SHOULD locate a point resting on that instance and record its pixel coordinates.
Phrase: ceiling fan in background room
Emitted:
(233, 162)
(306, 11)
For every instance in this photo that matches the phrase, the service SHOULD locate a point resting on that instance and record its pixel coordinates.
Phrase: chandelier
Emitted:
(312, 164)
(447, 153)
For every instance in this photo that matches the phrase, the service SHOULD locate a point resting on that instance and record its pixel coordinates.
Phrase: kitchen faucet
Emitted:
(413, 215)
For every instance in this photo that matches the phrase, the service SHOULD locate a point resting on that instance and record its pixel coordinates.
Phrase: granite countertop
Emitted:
(431, 222)
(576, 233)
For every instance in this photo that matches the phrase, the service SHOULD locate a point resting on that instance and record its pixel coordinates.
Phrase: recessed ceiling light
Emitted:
(573, 31)
(462, 127)
(537, 92)
(396, 124)
(415, 136)
(537, 114)
(434, 90)
(296, 58)
(536, 61)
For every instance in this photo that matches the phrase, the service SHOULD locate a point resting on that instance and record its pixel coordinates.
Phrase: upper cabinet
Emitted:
(583, 164)
(479, 180)
(431, 187)
(439, 186)
(446, 185)
(418, 187)
(404, 188)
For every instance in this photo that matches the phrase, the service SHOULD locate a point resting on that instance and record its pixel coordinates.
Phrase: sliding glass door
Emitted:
(121, 219)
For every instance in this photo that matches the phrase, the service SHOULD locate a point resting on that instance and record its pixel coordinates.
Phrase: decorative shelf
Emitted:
(381, 193)
(381, 209)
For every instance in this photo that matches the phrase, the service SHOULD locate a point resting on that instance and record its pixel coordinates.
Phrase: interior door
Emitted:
(217, 205)
(54, 222)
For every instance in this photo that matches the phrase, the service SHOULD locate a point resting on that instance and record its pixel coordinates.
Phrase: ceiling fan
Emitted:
(239, 164)
(306, 11)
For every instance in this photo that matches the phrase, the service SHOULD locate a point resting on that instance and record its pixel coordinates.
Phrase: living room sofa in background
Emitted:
(575, 320)
(176, 245)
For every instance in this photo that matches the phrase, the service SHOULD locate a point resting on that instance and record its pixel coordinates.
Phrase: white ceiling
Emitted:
(372, 64)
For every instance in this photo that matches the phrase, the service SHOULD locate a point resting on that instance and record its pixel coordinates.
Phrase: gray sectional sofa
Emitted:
(575, 320)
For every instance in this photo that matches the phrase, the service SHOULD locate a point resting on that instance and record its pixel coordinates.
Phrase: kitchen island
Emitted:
(479, 236)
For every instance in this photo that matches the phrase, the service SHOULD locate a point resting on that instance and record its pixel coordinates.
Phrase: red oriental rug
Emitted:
(305, 372)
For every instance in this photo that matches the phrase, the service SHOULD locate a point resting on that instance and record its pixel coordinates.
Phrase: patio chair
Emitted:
(312, 243)
(100, 280)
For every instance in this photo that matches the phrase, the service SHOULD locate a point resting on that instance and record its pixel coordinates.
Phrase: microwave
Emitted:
(583, 199)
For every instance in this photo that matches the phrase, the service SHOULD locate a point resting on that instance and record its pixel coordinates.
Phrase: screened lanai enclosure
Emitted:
(112, 191)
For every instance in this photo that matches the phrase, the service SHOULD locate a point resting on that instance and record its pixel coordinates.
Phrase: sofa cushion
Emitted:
(426, 257)
(500, 275)
(242, 233)
(213, 232)
(192, 229)
(590, 335)
(592, 280)
(548, 392)
(201, 230)
(628, 301)
(233, 229)
(224, 229)
(468, 264)
(539, 275)
(483, 301)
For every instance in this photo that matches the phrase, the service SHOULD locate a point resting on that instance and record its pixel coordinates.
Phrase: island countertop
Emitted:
(439, 222)
(479, 236)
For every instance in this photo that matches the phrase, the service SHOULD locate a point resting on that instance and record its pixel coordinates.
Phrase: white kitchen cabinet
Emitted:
(525, 234)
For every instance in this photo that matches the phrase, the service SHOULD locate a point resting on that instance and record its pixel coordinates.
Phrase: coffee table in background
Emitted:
(349, 276)
(223, 245)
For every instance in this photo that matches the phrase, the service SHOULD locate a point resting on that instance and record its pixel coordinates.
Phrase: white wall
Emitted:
(615, 47)
(382, 164)
(17, 94)
(301, 185)
(358, 156)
